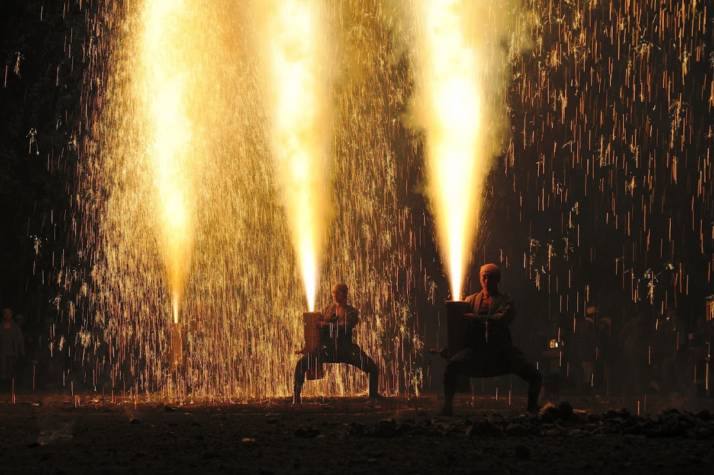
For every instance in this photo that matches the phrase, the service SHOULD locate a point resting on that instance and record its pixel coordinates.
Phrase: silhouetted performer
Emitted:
(336, 325)
(489, 349)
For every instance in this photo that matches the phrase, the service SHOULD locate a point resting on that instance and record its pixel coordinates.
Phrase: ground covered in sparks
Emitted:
(55, 435)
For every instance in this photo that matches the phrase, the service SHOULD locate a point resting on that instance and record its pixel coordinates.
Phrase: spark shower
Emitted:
(244, 157)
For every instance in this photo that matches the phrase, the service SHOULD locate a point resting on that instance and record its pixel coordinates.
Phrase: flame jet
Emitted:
(298, 70)
(163, 85)
(461, 72)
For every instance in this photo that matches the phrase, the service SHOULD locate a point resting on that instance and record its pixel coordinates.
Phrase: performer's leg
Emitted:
(370, 367)
(529, 373)
(356, 357)
(459, 364)
(301, 368)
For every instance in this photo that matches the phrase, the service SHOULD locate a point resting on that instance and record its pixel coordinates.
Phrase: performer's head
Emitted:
(339, 293)
(490, 276)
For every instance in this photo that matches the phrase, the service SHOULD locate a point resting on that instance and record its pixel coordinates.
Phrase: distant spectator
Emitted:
(633, 336)
(606, 353)
(583, 349)
(12, 345)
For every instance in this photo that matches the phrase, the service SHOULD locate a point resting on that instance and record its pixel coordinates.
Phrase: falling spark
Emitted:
(300, 125)
(461, 82)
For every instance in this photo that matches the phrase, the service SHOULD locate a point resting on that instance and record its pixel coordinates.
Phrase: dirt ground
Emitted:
(52, 434)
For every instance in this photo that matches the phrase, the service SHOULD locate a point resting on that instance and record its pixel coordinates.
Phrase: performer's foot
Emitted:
(376, 397)
(297, 400)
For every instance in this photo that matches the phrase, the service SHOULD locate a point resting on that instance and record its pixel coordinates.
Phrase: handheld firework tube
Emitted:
(456, 330)
(310, 322)
(456, 325)
(176, 345)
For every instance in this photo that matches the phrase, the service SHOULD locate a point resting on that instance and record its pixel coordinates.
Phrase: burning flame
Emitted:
(163, 88)
(459, 81)
(298, 70)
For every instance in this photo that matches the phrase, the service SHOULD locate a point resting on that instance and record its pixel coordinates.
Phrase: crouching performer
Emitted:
(336, 345)
(489, 351)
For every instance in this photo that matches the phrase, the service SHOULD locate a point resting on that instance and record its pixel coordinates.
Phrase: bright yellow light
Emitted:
(463, 67)
(299, 80)
(163, 87)
(175, 307)
(451, 109)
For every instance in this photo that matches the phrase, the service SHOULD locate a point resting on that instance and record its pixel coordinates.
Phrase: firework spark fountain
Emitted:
(608, 172)
(462, 72)
(239, 325)
(162, 87)
(299, 75)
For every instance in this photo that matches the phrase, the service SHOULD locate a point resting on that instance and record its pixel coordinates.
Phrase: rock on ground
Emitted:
(52, 435)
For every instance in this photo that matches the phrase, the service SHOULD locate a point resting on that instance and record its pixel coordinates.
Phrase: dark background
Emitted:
(40, 86)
